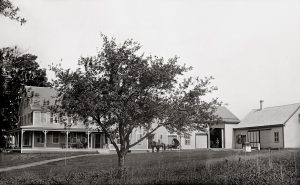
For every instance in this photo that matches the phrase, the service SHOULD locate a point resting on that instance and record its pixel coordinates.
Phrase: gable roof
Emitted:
(226, 115)
(278, 115)
(40, 96)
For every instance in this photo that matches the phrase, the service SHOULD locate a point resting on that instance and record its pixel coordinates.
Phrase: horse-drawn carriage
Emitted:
(155, 145)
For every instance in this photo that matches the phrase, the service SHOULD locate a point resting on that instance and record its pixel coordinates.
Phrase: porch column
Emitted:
(208, 137)
(22, 132)
(67, 142)
(32, 139)
(88, 138)
(92, 136)
(223, 138)
(45, 138)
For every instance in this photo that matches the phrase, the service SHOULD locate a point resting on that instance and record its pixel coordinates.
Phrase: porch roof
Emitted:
(55, 129)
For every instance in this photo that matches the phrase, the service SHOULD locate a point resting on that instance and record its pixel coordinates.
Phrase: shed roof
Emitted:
(278, 115)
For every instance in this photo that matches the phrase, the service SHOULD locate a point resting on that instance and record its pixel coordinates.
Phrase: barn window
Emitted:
(187, 139)
(276, 137)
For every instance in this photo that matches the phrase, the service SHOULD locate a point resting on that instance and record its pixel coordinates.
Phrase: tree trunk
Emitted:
(121, 164)
(121, 160)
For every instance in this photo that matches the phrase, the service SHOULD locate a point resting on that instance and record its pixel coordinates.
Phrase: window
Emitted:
(299, 118)
(39, 137)
(254, 138)
(276, 137)
(187, 139)
(43, 117)
(241, 139)
(72, 137)
(51, 117)
(55, 138)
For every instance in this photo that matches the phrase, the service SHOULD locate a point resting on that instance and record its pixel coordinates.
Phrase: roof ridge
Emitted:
(279, 106)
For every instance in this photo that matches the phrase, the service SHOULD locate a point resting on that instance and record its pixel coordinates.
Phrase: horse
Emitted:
(157, 145)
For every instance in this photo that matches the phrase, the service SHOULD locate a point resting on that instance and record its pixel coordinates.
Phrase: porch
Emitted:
(39, 141)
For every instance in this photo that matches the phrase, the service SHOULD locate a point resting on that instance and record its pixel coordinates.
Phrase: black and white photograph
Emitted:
(174, 92)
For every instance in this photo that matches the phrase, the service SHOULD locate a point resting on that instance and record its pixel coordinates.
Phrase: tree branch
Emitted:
(145, 136)
(108, 134)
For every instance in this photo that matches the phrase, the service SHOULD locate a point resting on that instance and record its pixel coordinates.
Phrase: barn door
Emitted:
(201, 141)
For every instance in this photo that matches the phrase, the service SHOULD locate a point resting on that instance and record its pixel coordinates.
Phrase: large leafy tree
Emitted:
(9, 10)
(16, 71)
(121, 90)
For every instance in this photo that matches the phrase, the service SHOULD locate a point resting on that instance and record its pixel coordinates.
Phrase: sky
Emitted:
(251, 48)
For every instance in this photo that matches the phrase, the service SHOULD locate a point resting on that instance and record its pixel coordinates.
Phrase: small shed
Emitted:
(272, 127)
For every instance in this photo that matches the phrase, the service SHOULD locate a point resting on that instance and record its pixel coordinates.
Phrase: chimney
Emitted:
(261, 104)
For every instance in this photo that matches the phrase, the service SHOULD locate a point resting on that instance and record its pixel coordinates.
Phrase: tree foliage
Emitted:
(16, 71)
(121, 90)
(9, 10)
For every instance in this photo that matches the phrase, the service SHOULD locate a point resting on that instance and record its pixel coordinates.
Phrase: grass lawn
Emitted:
(186, 167)
(14, 158)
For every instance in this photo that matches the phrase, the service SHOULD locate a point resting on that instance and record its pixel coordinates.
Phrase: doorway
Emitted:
(216, 138)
